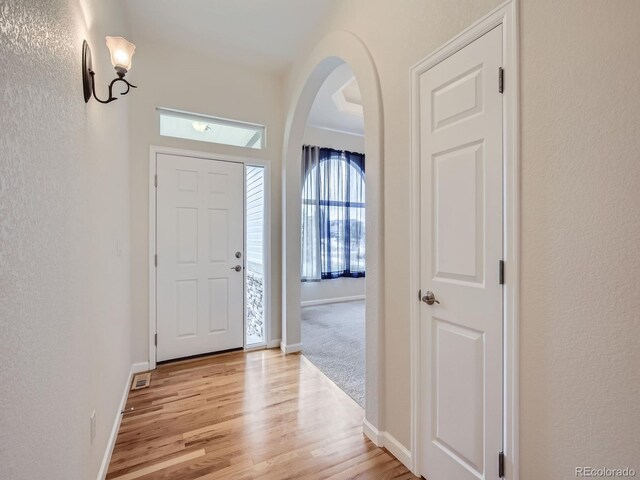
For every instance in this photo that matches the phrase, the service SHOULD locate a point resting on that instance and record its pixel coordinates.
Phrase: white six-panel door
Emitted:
(461, 157)
(200, 241)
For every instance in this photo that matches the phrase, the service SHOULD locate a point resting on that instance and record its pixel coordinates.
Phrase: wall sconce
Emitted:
(121, 52)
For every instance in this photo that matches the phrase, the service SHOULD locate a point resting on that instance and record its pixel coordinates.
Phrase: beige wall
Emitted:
(64, 209)
(580, 195)
(334, 289)
(412, 29)
(321, 137)
(188, 81)
(580, 323)
(69, 197)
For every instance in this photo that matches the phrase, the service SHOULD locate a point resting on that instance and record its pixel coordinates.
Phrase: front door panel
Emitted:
(199, 232)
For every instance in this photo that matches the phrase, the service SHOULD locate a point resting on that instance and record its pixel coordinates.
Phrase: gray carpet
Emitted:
(333, 340)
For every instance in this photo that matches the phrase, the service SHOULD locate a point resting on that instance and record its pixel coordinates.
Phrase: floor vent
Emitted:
(141, 380)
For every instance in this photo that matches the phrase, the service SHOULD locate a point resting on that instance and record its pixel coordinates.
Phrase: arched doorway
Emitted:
(334, 50)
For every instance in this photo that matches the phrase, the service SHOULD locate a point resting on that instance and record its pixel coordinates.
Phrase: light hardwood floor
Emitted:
(246, 416)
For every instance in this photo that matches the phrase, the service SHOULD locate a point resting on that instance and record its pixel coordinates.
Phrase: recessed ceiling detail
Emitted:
(348, 98)
(338, 104)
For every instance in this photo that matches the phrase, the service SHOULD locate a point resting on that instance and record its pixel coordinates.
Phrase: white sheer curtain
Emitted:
(310, 269)
(333, 214)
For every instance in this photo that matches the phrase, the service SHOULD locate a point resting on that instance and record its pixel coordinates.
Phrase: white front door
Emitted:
(461, 159)
(200, 247)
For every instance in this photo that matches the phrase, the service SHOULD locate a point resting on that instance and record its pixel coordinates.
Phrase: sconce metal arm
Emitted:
(111, 98)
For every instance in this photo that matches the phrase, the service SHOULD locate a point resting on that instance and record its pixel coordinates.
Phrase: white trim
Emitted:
(397, 449)
(154, 150)
(274, 343)
(266, 246)
(306, 77)
(388, 441)
(211, 119)
(152, 252)
(208, 118)
(323, 301)
(506, 15)
(287, 349)
(111, 443)
(372, 433)
(255, 346)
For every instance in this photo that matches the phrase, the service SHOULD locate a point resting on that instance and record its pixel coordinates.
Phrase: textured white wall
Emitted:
(183, 80)
(64, 206)
(580, 322)
(580, 228)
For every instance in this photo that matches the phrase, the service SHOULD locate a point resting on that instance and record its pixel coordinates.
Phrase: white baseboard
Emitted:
(371, 432)
(293, 348)
(388, 441)
(253, 348)
(311, 303)
(398, 450)
(104, 466)
(274, 343)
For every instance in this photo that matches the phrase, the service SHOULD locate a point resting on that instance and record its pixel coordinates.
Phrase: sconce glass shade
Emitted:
(121, 52)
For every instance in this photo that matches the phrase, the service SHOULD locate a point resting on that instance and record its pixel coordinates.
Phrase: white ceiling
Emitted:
(338, 105)
(266, 34)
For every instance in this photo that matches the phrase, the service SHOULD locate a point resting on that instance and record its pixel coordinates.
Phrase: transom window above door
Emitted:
(203, 128)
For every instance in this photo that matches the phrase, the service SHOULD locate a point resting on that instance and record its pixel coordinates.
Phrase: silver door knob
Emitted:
(429, 298)
(237, 268)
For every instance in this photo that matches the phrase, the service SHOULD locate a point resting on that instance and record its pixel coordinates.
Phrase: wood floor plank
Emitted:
(245, 416)
(159, 466)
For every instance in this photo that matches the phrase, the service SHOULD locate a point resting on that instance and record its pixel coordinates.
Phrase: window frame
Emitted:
(360, 171)
(204, 118)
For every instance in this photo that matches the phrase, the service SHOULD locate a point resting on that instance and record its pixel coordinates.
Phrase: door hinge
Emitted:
(155, 181)
(501, 267)
(500, 79)
(501, 464)
(155, 259)
(155, 340)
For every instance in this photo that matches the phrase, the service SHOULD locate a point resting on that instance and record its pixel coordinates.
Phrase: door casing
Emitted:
(246, 161)
(507, 16)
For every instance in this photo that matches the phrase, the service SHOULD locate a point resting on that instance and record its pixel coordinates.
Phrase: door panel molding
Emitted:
(198, 233)
(185, 184)
(507, 16)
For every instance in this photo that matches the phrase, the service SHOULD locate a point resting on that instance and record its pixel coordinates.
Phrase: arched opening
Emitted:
(332, 52)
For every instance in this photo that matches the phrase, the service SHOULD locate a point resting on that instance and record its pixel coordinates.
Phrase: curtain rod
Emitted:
(334, 149)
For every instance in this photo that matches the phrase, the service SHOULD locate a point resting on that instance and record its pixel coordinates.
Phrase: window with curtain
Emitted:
(333, 208)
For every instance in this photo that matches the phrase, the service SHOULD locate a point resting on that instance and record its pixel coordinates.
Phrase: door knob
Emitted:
(237, 268)
(429, 298)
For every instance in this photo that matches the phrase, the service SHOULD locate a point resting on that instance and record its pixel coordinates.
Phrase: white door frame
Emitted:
(507, 16)
(331, 51)
(246, 161)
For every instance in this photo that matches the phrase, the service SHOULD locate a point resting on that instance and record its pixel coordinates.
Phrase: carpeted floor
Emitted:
(333, 340)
